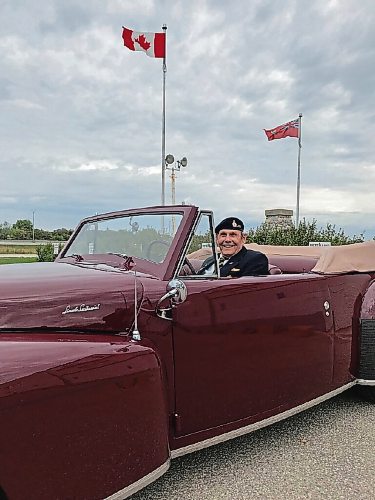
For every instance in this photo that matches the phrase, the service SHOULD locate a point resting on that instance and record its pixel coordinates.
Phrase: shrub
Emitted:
(267, 234)
(45, 253)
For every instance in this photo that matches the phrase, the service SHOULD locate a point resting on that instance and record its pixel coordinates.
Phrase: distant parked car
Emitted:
(118, 356)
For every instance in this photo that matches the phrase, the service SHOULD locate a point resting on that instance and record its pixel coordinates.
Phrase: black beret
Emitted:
(230, 223)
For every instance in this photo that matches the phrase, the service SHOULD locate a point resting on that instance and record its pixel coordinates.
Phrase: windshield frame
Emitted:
(215, 275)
(163, 270)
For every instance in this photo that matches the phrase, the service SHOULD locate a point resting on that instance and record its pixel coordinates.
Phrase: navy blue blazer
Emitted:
(244, 263)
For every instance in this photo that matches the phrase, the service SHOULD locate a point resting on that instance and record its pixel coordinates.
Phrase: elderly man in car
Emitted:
(235, 259)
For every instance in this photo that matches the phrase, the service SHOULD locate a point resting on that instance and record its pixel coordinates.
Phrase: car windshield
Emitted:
(146, 236)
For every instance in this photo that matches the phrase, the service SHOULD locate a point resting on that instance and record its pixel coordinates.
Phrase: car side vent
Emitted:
(367, 345)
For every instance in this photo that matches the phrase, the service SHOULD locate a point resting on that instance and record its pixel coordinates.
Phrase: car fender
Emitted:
(81, 416)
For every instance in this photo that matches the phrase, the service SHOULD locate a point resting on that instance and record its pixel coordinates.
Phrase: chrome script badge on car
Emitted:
(81, 308)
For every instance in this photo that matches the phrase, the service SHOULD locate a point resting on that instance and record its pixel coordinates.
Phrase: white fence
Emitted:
(30, 242)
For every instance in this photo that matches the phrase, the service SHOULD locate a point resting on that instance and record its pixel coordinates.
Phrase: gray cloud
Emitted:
(81, 115)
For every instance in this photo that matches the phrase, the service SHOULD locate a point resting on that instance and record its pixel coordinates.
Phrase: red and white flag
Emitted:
(151, 43)
(290, 129)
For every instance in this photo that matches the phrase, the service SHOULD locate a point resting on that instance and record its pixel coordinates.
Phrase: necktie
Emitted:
(222, 259)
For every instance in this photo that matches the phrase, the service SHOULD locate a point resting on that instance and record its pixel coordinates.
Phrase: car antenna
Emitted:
(135, 335)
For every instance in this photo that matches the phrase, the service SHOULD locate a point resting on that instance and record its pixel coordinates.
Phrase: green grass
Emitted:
(17, 260)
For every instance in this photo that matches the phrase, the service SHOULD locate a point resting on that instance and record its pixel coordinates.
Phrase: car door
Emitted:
(250, 347)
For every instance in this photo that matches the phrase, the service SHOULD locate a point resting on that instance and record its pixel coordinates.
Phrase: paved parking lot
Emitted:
(327, 452)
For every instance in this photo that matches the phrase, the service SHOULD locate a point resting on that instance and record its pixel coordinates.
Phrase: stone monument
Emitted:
(279, 217)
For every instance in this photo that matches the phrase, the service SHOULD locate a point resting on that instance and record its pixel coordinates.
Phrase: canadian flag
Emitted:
(151, 43)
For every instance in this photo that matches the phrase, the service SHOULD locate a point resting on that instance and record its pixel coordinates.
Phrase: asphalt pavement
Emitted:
(326, 452)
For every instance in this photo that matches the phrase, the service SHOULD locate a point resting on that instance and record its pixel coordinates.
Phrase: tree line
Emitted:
(307, 231)
(23, 230)
(264, 234)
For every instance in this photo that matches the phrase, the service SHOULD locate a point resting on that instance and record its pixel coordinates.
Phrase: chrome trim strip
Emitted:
(141, 483)
(258, 425)
(362, 381)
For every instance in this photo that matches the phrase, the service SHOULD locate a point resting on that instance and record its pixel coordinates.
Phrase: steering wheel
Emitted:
(190, 266)
(148, 252)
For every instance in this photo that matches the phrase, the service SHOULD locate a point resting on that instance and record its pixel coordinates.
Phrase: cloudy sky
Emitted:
(80, 114)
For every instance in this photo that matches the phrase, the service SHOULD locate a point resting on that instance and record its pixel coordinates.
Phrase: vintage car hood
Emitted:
(59, 295)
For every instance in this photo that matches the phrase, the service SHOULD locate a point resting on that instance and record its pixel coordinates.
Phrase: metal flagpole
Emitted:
(163, 122)
(299, 166)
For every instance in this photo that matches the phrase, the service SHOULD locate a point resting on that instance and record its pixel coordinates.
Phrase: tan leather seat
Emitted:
(291, 264)
(272, 269)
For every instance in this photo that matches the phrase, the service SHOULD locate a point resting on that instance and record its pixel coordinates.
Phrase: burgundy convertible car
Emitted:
(117, 357)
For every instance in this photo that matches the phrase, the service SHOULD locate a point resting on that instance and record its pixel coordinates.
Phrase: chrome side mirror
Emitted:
(177, 293)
